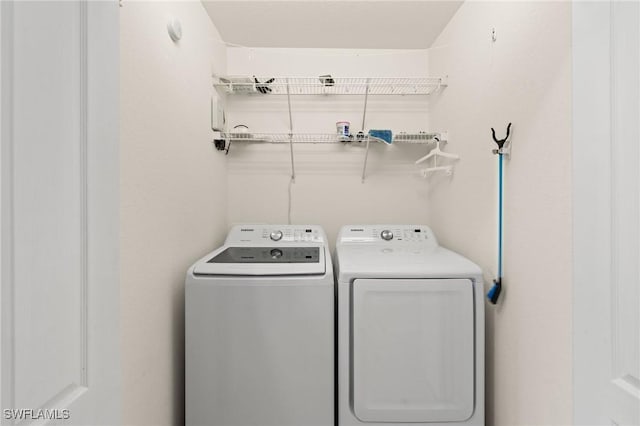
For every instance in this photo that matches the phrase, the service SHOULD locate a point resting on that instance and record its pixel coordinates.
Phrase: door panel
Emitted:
(59, 152)
(624, 385)
(606, 48)
(413, 350)
(49, 203)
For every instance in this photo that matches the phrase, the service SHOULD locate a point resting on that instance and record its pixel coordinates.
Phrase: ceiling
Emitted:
(355, 24)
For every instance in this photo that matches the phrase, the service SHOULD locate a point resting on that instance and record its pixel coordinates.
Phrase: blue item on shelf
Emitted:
(384, 135)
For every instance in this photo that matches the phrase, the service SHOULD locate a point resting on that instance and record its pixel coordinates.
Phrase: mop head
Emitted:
(384, 135)
(494, 292)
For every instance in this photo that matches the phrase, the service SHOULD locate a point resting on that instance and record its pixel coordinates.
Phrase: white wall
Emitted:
(173, 195)
(524, 77)
(328, 189)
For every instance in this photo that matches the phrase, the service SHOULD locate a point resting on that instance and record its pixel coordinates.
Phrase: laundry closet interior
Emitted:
(233, 112)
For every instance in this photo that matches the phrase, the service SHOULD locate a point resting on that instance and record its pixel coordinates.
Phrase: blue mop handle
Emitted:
(500, 217)
(494, 293)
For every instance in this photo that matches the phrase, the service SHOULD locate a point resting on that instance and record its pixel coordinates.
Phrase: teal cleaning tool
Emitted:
(496, 289)
(384, 135)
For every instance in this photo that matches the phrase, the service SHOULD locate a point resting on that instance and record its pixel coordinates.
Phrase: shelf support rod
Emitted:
(364, 117)
(366, 154)
(293, 169)
(366, 98)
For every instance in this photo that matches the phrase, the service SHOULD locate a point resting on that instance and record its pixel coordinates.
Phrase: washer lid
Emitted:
(263, 260)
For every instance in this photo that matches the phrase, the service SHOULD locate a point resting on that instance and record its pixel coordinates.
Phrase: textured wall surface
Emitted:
(523, 77)
(173, 189)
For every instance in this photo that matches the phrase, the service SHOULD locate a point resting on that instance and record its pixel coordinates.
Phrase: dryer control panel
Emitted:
(387, 234)
(276, 234)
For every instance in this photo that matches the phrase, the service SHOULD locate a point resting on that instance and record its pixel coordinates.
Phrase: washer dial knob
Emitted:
(386, 235)
(276, 235)
(276, 253)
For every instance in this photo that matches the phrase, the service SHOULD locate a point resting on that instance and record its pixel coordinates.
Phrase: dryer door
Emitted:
(413, 350)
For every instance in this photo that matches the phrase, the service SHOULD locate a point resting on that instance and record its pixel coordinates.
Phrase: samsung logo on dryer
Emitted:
(246, 230)
(356, 230)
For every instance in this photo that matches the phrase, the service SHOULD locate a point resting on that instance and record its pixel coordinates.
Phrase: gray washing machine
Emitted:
(260, 330)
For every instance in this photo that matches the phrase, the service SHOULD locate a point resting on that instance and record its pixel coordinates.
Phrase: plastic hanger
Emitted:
(435, 153)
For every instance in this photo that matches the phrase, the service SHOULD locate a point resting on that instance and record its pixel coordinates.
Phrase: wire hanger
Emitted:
(435, 153)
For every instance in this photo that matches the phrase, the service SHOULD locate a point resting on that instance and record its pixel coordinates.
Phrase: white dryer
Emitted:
(260, 330)
(410, 330)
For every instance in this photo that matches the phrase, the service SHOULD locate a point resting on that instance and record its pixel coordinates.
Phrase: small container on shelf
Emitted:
(342, 128)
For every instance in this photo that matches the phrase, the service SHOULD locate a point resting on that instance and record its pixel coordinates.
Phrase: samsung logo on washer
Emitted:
(357, 230)
(246, 230)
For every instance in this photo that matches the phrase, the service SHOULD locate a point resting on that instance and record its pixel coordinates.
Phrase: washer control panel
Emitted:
(386, 234)
(268, 255)
(271, 234)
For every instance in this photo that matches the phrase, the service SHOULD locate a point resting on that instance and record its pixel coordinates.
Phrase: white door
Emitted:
(59, 210)
(606, 213)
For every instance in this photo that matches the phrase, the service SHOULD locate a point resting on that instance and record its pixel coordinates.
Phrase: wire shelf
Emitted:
(319, 138)
(327, 85)
(418, 138)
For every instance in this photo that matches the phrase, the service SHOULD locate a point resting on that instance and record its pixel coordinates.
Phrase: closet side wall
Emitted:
(173, 189)
(523, 77)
